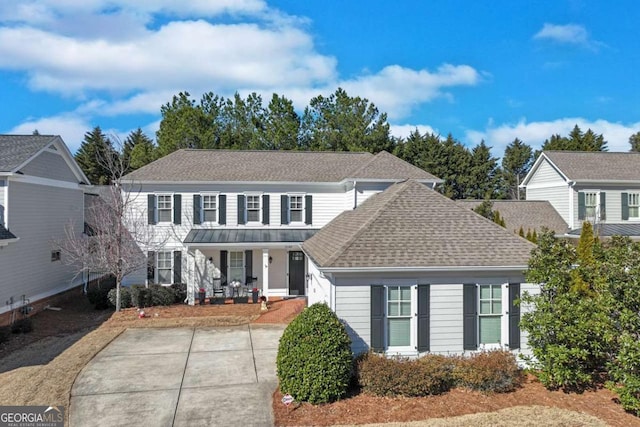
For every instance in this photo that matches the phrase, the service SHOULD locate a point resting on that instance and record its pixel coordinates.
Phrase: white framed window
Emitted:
(296, 207)
(236, 266)
(165, 207)
(399, 316)
(490, 314)
(210, 207)
(164, 267)
(634, 205)
(254, 206)
(590, 204)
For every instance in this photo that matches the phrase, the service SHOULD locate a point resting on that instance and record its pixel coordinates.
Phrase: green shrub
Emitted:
(625, 372)
(314, 360)
(489, 371)
(154, 295)
(5, 333)
(98, 294)
(22, 326)
(382, 376)
(180, 292)
(125, 297)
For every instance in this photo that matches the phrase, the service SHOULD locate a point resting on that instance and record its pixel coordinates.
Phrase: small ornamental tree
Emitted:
(314, 356)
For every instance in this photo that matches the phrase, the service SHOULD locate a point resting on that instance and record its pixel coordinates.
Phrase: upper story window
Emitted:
(210, 207)
(590, 204)
(165, 207)
(634, 205)
(295, 208)
(253, 208)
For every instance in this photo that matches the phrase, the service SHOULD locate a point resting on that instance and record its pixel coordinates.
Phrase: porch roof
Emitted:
(247, 235)
(608, 230)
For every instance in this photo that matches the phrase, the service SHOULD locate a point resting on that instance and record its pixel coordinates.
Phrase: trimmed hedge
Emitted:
(180, 292)
(154, 295)
(489, 371)
(382, 376)
(98, 292)
(314, 360)
(125, 297)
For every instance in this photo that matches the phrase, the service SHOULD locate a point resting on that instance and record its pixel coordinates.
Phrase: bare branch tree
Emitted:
(114, 231)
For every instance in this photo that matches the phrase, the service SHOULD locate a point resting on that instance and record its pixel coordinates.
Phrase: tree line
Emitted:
(337, 122)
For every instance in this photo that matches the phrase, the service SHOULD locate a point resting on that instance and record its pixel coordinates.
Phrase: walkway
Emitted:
(180, 377)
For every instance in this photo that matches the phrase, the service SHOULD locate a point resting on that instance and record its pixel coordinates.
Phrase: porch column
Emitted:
(265, 272)
(191, 276)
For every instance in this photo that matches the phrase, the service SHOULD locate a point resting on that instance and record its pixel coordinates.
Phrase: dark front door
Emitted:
(296, 273)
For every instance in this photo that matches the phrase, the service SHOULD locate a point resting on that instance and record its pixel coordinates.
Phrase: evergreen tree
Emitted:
(138, 150)
(576, 141)
(90, 156)
(634, 141)
(483, 177)
(516, 162)
(281, 125)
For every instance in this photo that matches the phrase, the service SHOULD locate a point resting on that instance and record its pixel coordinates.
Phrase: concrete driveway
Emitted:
(222, 376)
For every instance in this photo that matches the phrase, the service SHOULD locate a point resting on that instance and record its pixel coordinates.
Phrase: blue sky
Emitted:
(478, 70)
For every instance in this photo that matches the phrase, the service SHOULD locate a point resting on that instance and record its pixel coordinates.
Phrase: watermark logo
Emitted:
(31, 416)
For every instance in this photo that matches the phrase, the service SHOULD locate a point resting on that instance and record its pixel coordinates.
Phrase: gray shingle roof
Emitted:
(597, 166)
(16, 149)
(6, 234)
(410, 225)
(528, 214)
(276, 166)
(244, 235)
(608, 230)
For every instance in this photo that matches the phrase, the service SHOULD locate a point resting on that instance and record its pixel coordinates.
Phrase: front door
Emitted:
(296, 273)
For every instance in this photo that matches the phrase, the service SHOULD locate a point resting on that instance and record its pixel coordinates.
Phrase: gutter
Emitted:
(442, 269)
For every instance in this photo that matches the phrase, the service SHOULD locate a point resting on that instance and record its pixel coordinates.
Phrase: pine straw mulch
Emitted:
(365, 409)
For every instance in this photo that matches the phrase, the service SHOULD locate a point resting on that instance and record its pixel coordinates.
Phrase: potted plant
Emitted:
(254, 295)
(202, 294)
(217, 300)
(240, 300)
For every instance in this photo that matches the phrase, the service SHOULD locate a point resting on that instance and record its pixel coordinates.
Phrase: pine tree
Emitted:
(94, 148)
(138, 150)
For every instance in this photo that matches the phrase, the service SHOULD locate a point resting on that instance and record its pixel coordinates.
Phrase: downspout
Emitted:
(355, 194)
(571, 205)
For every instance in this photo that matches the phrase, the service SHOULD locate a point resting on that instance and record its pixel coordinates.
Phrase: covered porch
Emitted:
(234, 262)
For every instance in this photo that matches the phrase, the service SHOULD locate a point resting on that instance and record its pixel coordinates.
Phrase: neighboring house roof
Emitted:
(608, 230)
(17, 149)
(409, 226)
(528, 214)
(248, 236)
(592, 166)
(191, 165)
(6, 234)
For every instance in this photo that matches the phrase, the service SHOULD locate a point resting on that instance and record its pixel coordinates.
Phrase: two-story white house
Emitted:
(600, 187)
(241, 216)
(41, 193)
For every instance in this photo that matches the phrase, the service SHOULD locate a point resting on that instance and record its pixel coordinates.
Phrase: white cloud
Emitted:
(403, 131)
(535, 133)
(567, 34)
(69, 126)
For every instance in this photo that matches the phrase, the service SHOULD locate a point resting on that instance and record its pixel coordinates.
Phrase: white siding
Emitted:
(545, 175)
(446, 319)
(50, 165)
(368, 189)
(557, 196)
(38, 215)
(319, 286)
(531, 289)
(353, 306)
(613, 202)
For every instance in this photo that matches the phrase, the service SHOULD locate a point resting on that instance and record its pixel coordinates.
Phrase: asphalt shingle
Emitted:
(16, 149)
(275, 166)
(6, 234)
(410, 225)
(597, 165)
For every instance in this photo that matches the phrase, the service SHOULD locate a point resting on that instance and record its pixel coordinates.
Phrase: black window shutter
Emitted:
(241, 209)
(177, 209)
(514, 316)
(423, 317)
(223, 267)
(197, 209)
(377, 318)
(582, 212)
(248, 265)
(265, 209)
(151, 266)
(470, 316)
(284, 209)
(625, 206)
(308, 209)
(222, 209)
(151, 208)
(603, 205)
(177, 266)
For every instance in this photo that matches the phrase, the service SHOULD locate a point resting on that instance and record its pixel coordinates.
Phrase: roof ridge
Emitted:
(231, 150)
(363, 226)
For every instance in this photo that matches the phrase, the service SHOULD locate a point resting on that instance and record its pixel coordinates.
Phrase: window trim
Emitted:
(246, 209)
(411, 349)
(504, 318)
(202, 208)
(301, 210)
(170, 209)
(157, 267)
(596, 207)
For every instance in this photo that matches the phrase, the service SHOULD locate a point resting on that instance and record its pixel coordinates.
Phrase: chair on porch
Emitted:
(218, 288)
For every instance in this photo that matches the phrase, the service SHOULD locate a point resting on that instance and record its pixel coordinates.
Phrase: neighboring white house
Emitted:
(242, 215)
(600, 187)
(41, 193)
(411, 271)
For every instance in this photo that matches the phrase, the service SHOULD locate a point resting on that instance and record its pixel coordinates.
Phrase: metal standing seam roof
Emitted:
(528, 214)
(276, 166)
(6, 234)
(608, 230)
(411, 226)
(17, 149)
(596, 165)
(244, 235)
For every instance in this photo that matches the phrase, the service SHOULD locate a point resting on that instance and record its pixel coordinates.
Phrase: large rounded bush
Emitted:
(314, 356)
(125, 297)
